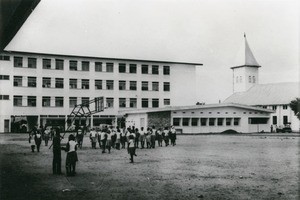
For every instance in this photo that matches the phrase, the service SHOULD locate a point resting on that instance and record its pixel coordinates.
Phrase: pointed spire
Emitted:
(249, 57)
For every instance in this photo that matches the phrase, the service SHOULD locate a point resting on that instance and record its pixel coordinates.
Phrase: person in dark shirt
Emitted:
(56, 164)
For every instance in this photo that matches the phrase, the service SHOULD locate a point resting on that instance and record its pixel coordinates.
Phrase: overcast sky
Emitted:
(203, 31)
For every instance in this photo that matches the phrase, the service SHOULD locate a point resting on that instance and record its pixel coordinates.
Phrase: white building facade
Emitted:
(274, 96)
(213, 118)
(37, 88)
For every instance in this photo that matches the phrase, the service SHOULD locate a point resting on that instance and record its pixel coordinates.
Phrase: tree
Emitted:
(295, 106)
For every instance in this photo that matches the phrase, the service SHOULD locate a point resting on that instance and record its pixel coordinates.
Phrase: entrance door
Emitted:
(6, 125)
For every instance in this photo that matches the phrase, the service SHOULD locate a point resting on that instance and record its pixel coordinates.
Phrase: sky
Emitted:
(197, 31)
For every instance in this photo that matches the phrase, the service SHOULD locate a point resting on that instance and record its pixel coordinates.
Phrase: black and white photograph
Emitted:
(149, 99)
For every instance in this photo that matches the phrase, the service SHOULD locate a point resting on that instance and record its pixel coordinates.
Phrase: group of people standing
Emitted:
(107, 137)
(117, 138)
(38, 134)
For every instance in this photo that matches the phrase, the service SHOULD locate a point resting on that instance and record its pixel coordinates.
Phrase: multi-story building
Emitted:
(37, 88)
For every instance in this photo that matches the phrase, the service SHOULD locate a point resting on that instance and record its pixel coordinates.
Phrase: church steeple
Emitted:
(249, 57)
(245, 75)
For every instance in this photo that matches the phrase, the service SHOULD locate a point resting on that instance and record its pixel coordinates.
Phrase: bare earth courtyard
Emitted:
(198, 167)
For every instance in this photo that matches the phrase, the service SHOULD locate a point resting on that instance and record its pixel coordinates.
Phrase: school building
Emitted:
(212, 118)
(39, 88)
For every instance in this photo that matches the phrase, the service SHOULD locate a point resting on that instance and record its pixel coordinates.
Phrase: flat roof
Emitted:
(103, 58)
(174, 108)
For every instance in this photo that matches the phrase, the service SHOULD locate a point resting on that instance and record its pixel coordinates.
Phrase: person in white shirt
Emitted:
(142, 137)
(108, 141)
(71, 156)
(93, 138)
(103, 140)
(118, 138)
(166, 136)
(159, 137)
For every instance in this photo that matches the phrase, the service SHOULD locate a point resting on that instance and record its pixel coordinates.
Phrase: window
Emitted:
(17, 100)
(253, 79)
(228, 121)
(166, 86)
(59, 64)
(236, 121)
(59, 102)
(46, 82)
(144, 69)
(167, 102)
(31, 82)
(4, 77)
(31, 101)
(185, 121)
(31, 62)
(274, 107)
(73, 65)
(285, 107)
(155, 103)
(166, 70)
(132, 68)
(3, 57)
(122, 102)
(46, 101)
(85, 101)
(73, 83)
(211, 121)
(85, 66)
(285, 119)
(155, 69)
(72, 102)
(133, 103)
(265, 107)
(195, 121)
(274, 120)
(18, 62)
(144, 85)
(122, 68)
(145, 103)
(98, 66)
(109, 67)
(203, 121)
(18, 81)
(249, 79)
(132, 85)
(220, 121)
(122, 85)
(4, 97)
(109, 84)
(98, 84)
(59, 83)
(110, 102)
(155, 86)
(46, 63)
(85, 84)
(176, 121)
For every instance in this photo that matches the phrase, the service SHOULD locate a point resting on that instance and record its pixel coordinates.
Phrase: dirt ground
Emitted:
(199, 167)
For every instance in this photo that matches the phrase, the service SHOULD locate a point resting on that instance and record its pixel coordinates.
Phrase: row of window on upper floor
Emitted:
(239, 79)
(73, 101)
(99, 67)
(85, 84)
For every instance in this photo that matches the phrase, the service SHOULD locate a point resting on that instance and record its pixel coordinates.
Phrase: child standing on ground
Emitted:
(142, 137)
(71, 156)
(131, 148)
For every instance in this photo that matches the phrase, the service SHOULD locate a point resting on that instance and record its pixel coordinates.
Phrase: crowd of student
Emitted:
(107, 138)
(132, 137)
